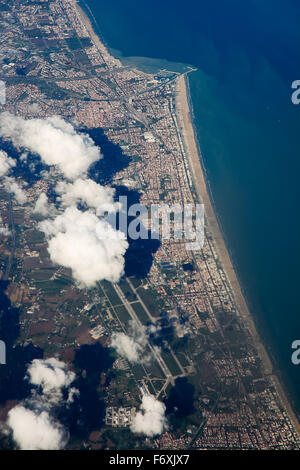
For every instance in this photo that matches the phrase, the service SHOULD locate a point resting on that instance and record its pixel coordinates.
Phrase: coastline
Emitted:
(90, 28)
(195, 162)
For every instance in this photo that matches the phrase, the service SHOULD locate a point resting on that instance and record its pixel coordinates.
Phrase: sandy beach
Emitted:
(187, 129)
(87, 23)
(185, 121)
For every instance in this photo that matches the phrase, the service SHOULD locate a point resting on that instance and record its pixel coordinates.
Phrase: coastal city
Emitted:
(202, 359)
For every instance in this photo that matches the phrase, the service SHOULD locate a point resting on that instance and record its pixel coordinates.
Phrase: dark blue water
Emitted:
(248, 54)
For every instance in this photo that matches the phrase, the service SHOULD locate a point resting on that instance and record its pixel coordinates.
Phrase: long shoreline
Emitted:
(198, 174)
(90, 28)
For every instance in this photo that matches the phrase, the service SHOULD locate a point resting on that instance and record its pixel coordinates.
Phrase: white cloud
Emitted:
(4, 231)
(77, 239)
(23, 157)
(86, 191)
(150, 420)
(6, 163)
(51, 375)
(73, 392)
(35, 431)
(31, 422)
(42, 206)
(55, 140)
(34, 108)
(13, 187)
(127, 347)
(132, 346)
(90, 247)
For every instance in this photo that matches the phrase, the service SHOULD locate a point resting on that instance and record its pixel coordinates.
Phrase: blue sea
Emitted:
(247, 54)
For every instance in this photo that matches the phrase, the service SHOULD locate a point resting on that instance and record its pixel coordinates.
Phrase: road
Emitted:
(13, 236)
